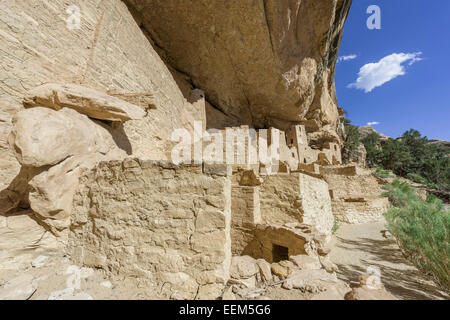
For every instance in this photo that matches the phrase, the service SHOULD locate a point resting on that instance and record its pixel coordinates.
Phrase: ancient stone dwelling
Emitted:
(87, 116)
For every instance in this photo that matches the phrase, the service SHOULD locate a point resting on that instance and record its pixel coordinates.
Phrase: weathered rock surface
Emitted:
(279, 270)
(53, 146)
(9, 167)
(122, 63)
(333, 292)
(93, 103)
(243, 267)
(327, 264)
(265, 270)
(288, 280)
(314, 281)
(22, 239)
(259, 61)
(170, 228)
(305, 262)
(44, 137)
(369, 290)
(19, 288)
(369, 294)
(51, 191)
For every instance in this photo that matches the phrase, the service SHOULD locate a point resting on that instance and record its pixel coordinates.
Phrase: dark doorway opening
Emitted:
(279, 253)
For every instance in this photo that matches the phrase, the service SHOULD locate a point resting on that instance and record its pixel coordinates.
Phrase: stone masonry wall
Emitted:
(279, 199)
(364, 211)
(316, 203)
(356, 195)
(296, 197)
(165, 223)
(246, 213)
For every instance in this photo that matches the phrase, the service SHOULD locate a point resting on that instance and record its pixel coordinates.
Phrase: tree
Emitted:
(417, 147)
(396, 156)
(373, 147)
(351, 142)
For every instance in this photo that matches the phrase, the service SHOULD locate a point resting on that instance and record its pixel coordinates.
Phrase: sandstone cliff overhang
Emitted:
(264, 63)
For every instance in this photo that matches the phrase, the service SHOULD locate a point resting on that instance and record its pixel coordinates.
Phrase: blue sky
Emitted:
(419, 98)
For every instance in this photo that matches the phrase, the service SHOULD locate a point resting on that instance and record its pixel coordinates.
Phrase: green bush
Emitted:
(382, 173)
(422, 230)
(417, 178)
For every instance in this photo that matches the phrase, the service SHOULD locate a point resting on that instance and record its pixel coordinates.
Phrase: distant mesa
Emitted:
(443, 143)
(364, 131)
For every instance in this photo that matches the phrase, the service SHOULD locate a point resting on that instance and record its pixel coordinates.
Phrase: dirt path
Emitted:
(357, 247)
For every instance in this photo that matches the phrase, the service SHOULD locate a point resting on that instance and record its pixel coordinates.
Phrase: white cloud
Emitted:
(374, 123)
(374, 75)
(346, 58)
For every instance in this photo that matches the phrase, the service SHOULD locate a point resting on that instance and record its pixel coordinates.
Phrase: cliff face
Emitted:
(262, 63)
(109, 53)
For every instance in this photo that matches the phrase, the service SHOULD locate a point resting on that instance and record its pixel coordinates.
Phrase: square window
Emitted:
(279, 253)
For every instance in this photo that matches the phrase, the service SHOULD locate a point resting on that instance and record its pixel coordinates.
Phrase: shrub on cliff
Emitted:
(419, 179)
(382, 173)
(422, 230)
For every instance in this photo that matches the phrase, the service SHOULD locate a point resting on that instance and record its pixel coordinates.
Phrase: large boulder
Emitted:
(43, 137)
(264, 62)
(51, 192)
(53, 148)
(93, 103)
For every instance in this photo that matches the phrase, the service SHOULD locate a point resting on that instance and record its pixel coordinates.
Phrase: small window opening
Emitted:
(279, 253)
